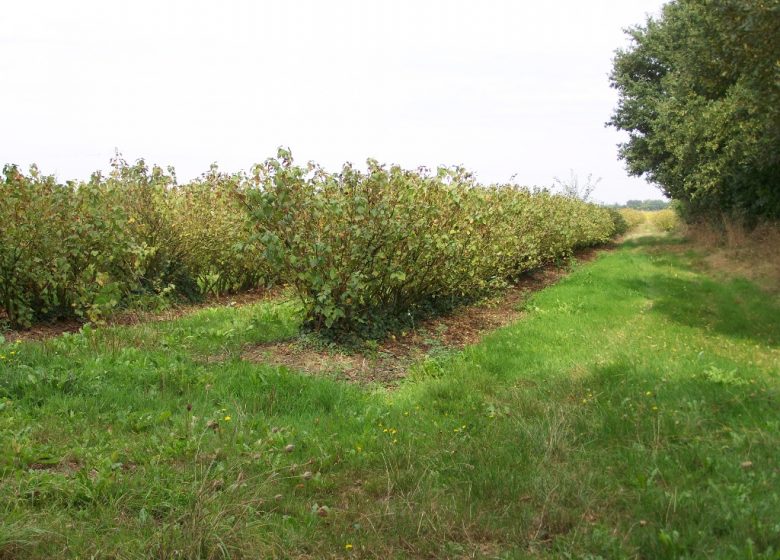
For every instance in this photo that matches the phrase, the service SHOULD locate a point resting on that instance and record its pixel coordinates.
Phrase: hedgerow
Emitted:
(665, 220)
(83, 249)
(619, 222)
(634, 218)
(367, 251)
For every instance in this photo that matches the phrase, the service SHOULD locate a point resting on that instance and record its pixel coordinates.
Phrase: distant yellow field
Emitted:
(649, 221)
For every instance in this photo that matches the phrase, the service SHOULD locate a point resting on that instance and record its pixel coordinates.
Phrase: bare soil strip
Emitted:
(43, 331)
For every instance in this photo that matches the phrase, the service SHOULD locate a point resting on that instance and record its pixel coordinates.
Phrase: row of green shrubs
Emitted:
(364, 250)
(133, 237)
(633, 217)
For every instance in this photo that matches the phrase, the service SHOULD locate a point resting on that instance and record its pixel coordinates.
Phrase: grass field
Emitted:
(631, 413)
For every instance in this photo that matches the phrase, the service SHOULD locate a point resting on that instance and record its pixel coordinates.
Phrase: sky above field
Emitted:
(505, 88)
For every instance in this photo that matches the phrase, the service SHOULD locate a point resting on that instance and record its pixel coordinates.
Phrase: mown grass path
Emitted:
(632, 413)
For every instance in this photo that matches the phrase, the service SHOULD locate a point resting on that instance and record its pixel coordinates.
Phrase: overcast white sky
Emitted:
(502, 87)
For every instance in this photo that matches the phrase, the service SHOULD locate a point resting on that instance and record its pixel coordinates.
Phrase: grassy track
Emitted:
(632, 413)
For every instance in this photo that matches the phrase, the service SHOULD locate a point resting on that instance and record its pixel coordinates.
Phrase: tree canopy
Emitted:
(699, 95)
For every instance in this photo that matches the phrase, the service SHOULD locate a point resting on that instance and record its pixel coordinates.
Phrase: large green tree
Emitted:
(699, 95)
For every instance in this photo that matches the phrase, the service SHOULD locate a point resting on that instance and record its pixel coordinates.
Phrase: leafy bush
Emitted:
(147, 199)
(61, 248)
(216, 234)
(634, 218)
(665, 220)
(620, 224)
(367, 250)
(81, 250)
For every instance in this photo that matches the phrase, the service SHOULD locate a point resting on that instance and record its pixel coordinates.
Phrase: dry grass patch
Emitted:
(736, 251)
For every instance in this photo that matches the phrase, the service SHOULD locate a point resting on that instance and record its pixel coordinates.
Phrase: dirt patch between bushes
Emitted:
(390, 360)
(43, 331)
